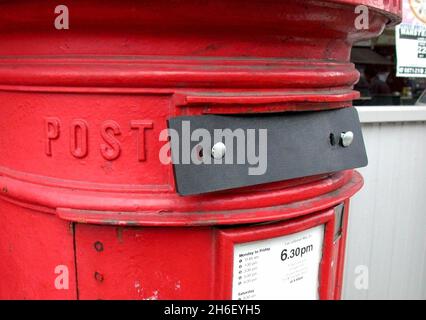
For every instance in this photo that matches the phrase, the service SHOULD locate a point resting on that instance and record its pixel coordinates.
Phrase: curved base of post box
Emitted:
(161, 262)
(276, 201)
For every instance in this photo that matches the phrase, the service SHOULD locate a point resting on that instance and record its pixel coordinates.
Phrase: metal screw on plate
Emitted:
(346, 138)
(218, 150)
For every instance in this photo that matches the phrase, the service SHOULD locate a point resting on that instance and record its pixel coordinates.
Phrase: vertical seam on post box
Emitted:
(75, 260)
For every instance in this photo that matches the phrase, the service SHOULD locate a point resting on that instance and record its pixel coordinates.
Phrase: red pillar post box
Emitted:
(96, 204)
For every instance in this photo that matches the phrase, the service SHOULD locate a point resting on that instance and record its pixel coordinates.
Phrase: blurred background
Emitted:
(387, 226)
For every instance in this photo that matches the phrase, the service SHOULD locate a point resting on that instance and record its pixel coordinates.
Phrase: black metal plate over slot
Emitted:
(298, 144)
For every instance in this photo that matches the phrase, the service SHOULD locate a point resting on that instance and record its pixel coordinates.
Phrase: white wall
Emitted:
(387, 224)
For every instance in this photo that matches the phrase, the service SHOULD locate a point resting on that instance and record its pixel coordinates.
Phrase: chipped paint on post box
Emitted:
(82, 109)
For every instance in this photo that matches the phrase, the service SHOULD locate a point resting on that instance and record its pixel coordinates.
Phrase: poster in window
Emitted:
(410, 38)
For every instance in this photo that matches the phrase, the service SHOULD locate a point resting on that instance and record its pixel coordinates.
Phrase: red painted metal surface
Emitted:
(81, 111)
(32, 246)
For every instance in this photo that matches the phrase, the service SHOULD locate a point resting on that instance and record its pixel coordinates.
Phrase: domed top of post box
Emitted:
(285, 45)
(129, 27)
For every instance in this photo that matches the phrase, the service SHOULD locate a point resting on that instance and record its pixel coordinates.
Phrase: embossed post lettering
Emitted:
(141, 126)
(110, 146)
(111, 149)
(78, 138)
(51, 126)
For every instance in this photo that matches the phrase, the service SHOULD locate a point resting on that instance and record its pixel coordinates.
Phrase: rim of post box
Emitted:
(262, 203)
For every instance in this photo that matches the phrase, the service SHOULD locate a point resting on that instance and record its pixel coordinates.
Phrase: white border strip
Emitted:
(373, 114)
